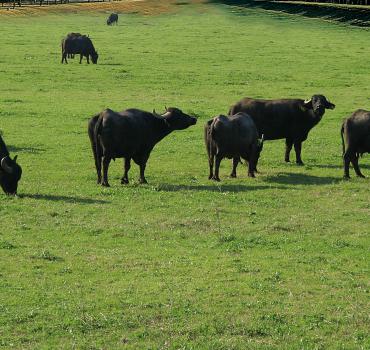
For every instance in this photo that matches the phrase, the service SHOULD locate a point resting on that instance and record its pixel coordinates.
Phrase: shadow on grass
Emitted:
(339, 166)
(219, 187)
(353, 16)
(302, 179)
(15, 149)
(67, 199)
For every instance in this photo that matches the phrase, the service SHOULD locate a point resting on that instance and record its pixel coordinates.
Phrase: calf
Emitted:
(355, 133)
(232, 137)
(131, 134)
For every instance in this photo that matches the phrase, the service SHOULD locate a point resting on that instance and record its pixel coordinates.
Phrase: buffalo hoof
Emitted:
(287, 160)
(233, 175)
(251, 175)
(216, 178)
(143, 181)
(210, 177)
(105, 184)
(360, 175)
(346, 177)
(300, 163)
(124, 181)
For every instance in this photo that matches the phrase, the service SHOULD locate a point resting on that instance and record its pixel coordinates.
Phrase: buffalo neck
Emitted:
(162, 129)
(3, 150)
(316, 118)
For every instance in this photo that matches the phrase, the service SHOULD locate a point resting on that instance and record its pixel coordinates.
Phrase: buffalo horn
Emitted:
(307, 101)
(5, 166)
(262, 137)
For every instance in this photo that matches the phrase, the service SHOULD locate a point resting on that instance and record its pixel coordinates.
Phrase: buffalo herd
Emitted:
(133, 133)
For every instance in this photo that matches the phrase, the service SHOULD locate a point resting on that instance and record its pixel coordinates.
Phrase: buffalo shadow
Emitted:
(16, 149)
(66, 199)
(302, 179)
(339, 167)
(216, 187)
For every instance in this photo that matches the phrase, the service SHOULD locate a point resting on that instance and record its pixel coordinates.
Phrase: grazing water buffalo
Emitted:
(356, 131)
(75, 43)
(71, 55)
(113, 18)
(232, 137)
(10, 171)
(289, 119)
(131, 134)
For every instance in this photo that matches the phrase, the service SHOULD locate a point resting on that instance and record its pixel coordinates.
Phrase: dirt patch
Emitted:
(143, 7)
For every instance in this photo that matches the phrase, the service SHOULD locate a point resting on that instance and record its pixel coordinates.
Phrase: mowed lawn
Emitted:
(276, 262)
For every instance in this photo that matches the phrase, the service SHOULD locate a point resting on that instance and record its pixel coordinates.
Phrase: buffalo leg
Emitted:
(236, 161)
(87, 58)
(98, 166)
(142, 178)
(81, 58)
(288, 148)
(346, 161)
(217, 168)
(106, 161)
(124, 179)
(354, 162)
(64, 57)
(298, 149)
(252, 163)
(210, 161)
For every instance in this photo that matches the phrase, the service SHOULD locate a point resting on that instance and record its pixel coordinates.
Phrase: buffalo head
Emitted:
(177, 120)
(94, 57)
(318, 103)
(10, 174)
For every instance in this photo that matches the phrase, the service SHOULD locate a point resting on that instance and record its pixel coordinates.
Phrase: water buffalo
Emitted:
(289, 119)
(71, 55)
(355, 132)
(232, 137)
(131, 134)
(113, 18)
(10, 171)
(75, 43)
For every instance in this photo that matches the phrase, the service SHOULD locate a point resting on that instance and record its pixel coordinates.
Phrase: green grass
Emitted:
(280, 261)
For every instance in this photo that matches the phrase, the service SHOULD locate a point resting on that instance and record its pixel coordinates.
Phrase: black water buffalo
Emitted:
(113, 18)
(75, 43)
(289, 119)
(131, 134)
(10, 171)
(232, 137)
(71, 55)
(355, 132)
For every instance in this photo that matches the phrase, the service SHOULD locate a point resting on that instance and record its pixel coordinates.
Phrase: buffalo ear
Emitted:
(329, 105)
(15, 158)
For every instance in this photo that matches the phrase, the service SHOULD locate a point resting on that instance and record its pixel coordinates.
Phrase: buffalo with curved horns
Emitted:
(131, 134)
(289, 119)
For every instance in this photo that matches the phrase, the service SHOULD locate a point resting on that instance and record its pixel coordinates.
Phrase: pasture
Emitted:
(276, 262)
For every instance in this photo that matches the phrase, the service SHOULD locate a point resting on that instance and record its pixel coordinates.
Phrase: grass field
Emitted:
(276, 262)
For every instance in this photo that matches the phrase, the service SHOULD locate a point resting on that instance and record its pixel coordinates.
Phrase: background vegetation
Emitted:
(280, 261)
